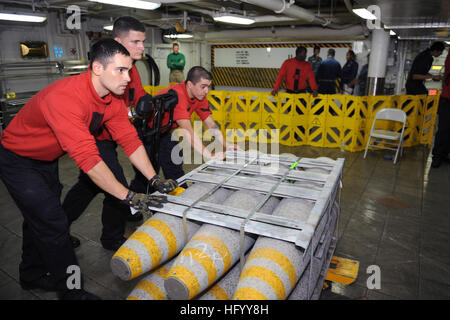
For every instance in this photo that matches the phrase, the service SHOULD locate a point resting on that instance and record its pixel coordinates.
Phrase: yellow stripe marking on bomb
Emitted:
(267, 276)
(151, 289)
(132, 298)
(220, 247)
(199, 256)
(162, 272)
(278, 258)
(218, 292)
(248, 294)
(150, 244)
(132, 259)
(188, 278)
(166, 232)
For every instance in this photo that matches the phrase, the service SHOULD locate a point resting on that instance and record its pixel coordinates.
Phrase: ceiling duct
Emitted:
(290, 10)
(355, 32)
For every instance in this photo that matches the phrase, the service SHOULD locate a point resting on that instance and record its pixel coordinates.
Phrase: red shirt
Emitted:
(133, 90)
(186, 106)
(446, 90)
(288, 72)
(64, 117)
(135, 86)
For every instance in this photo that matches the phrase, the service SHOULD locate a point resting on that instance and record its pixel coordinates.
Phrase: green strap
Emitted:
(293, 165)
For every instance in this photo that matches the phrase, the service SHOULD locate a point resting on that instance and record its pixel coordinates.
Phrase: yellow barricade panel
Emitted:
(148, 89)
(411, 105)
(270, 120)
(334, 125)
(428, 120)
(299, 120)
(316, 120)
(353, 118)
(254, 115)
(325, 121)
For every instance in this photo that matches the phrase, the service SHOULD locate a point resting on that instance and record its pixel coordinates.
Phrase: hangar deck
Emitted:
(392, 216)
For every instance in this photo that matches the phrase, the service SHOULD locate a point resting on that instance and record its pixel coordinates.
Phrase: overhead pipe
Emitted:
(293, 11)
(355, 32)
(258, 19)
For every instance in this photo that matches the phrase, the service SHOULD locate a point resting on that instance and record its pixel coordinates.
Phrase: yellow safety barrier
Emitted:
(330, 121)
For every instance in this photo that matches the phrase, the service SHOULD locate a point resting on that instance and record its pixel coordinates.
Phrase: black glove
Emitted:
(141, 201)
(163, 186)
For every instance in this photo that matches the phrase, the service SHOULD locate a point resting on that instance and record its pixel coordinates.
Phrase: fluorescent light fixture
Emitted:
(178, 36)
(426, 25)
(138, 4)
(21, 17)
(108, 27)
(392, 33)
(233, 18)
(421, 38)
(364, 13)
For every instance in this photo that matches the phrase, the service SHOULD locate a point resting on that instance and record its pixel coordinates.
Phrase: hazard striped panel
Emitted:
(244, 77)
(257, 77)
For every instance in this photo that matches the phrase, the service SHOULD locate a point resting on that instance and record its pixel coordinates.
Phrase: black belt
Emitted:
(296, 91)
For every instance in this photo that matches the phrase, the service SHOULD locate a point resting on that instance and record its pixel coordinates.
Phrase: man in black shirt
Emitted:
(420, 69)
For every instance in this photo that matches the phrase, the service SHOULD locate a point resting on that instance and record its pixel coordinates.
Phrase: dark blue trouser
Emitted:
(35, 187)
(442, 140)
(114, 213)
(326, 87)
(170, 169)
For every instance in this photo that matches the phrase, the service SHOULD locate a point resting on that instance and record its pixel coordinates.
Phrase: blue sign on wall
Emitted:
(58, 51)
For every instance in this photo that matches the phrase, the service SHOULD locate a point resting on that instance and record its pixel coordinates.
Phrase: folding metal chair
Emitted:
(391, 135)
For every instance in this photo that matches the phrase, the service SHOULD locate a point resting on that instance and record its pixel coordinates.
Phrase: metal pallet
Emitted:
(290, 181)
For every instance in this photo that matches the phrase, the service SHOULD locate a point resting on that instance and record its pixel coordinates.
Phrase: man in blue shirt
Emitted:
(327, 74)
(315, 60)
(349, 72)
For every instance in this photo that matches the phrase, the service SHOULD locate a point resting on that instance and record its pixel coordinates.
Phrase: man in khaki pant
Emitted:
(176, 62)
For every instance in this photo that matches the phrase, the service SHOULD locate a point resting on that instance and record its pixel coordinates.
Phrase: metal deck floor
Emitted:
(393, 216)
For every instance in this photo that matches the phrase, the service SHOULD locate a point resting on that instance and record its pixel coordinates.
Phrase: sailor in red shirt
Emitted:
(131, 34)
(64, 118)
(191, 98)
(298, 74)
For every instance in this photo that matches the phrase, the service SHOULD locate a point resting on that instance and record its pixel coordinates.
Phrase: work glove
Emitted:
(141, 201)
(162, 186)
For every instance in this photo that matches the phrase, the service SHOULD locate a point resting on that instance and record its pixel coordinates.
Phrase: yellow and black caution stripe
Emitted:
(286, 45)
(280, 45)
(244, 77)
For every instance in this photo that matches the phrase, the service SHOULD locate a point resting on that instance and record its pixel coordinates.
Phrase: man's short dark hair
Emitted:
(331, 52)
(197, 73)
(175, 44)
(104, 49)
(437, 46)
(125, 25)
(301, 48)
(352, 54)
(316, 48)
